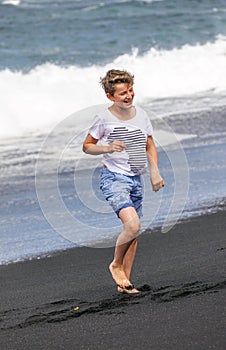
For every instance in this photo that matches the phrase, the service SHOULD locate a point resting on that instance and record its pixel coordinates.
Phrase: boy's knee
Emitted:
(133, 227)
(131, 222)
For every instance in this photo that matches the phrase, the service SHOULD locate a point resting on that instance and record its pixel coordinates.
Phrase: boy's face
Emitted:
(123, 95)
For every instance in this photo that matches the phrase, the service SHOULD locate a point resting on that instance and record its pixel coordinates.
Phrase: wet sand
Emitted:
(69, 301)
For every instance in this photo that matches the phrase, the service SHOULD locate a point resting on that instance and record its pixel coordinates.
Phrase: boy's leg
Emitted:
(136, 195)
(129, 258)
(125, 249)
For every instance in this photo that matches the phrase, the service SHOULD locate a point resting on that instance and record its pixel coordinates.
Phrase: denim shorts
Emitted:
(122, 191)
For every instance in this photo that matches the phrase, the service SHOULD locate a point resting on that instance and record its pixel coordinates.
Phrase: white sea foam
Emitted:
(11, 2)
(47, 94)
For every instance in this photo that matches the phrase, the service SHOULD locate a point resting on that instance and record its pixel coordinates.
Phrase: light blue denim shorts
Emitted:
(122, 191)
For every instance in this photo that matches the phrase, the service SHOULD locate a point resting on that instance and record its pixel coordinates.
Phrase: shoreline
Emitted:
(205, 210)
(69, 301)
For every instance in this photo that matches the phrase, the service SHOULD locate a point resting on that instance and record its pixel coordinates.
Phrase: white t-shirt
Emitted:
(134, 132)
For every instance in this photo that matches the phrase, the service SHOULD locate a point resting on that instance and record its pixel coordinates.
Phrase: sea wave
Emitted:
(40, 98)
(11, 2)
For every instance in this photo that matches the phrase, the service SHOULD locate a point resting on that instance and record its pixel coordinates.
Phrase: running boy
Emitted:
(125, 132)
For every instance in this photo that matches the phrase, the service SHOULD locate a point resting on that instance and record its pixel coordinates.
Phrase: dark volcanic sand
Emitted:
(69, 301)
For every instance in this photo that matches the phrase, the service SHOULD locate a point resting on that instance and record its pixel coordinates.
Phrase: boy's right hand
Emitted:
(116, 146)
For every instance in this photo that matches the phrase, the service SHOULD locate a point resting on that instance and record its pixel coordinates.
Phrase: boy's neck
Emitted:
(123, 113)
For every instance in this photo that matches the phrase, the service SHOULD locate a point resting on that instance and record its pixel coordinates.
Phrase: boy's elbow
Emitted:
(88, 143)
(84, 148)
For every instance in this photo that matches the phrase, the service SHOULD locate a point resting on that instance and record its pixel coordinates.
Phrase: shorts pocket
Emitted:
(106, 180)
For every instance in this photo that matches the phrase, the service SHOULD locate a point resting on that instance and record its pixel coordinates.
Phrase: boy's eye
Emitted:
(125, 92)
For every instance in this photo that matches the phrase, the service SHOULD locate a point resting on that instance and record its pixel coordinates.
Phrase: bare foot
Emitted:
(128, 291)
(119, 275)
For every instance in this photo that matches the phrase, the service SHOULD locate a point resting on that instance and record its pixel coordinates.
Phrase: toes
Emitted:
(128, 290)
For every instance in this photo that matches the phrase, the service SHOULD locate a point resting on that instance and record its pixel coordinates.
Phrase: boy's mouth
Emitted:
(128, 101)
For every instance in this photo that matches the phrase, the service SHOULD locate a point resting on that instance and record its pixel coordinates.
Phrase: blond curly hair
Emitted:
(113, 77)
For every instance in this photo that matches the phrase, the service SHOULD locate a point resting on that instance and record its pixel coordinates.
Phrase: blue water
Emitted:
(52, 54)
(87, 32)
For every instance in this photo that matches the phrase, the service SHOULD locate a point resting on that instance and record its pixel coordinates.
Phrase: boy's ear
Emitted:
(109, 96)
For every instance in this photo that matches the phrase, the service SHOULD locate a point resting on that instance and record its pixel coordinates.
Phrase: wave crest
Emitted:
(42, 97)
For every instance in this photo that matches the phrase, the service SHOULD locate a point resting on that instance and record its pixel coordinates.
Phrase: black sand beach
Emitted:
(69, 301)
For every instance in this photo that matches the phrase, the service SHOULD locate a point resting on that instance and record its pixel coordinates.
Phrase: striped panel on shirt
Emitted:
(135, 141)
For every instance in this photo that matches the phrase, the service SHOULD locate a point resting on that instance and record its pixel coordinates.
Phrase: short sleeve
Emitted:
(149, 127)
(97, 128)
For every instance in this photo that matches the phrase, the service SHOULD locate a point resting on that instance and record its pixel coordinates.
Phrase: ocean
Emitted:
(52, 55)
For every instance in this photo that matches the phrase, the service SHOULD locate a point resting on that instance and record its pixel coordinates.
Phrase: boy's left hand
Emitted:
(157, 181)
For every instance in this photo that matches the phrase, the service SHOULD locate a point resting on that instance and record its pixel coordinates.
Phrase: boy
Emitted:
(125, 132)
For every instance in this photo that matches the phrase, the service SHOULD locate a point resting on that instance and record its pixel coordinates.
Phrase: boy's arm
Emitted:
(156, 179)
(90, 146)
